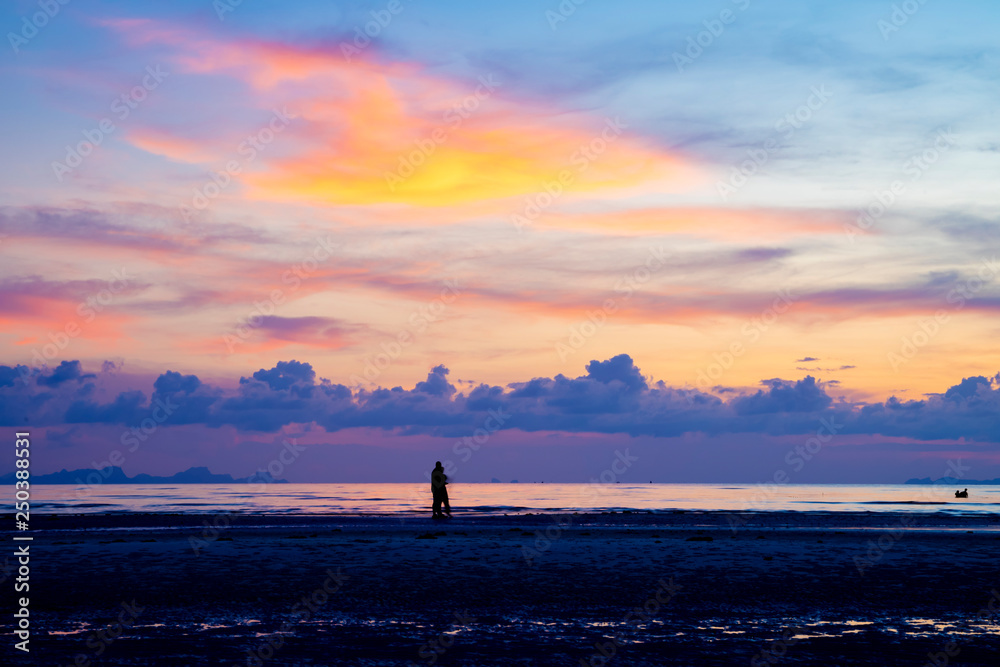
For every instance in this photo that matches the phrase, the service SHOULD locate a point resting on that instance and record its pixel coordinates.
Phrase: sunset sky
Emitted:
(695, 230)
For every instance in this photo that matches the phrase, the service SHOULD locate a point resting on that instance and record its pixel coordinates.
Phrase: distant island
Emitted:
(951, 481)
(115, 475)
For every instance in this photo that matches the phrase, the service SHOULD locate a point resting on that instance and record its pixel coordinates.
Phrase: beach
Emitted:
(623, 588)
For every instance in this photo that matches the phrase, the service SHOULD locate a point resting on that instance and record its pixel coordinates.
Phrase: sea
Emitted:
(507, 499)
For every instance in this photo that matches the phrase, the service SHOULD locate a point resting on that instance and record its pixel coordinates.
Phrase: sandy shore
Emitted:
(683, 588)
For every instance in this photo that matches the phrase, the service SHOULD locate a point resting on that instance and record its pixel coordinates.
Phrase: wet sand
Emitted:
(679, 588)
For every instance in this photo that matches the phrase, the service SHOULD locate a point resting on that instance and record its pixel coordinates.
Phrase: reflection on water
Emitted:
(508, 498)
(704, 630)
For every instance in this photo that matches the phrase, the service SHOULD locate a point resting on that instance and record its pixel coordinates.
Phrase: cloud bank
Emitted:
(612, 397)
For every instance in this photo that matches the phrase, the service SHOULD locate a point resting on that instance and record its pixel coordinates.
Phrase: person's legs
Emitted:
(436, 507)
(447, 505)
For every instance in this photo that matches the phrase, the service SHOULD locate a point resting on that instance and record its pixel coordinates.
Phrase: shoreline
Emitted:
(540, 589)
(716, 519)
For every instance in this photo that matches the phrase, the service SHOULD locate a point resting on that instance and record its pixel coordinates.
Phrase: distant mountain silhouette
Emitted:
(115, 475)
(951, 481)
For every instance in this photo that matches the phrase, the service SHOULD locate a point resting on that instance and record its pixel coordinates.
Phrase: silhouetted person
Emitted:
(962, 494)
(439, 491)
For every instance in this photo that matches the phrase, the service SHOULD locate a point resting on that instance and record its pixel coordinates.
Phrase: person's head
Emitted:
(437, 464)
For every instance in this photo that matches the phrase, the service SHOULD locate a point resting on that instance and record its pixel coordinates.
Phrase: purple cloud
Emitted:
(613, 397)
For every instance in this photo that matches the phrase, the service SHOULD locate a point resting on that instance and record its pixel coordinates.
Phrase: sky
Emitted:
(364, 233)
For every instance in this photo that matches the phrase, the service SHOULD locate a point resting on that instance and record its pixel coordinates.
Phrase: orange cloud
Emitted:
(43, 322)
(367, 132)
(448, 159)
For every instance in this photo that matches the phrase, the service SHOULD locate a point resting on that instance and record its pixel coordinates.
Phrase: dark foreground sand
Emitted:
(783, 589)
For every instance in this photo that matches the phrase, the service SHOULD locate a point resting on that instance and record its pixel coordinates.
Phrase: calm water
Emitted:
(506, 498)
